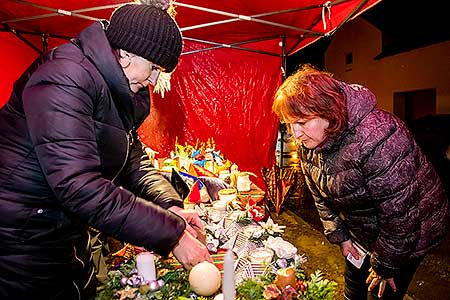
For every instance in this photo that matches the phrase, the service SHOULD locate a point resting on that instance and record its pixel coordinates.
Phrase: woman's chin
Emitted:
(309, 144)
(135, 87)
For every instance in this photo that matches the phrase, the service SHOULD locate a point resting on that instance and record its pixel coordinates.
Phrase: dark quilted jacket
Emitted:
(373, 184)
(69, 155)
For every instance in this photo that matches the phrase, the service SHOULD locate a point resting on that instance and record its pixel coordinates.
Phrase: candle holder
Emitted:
(261, 256)
(285, 277)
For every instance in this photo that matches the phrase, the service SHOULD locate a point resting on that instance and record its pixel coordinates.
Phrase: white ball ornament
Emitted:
(218, 297)
(205, 279)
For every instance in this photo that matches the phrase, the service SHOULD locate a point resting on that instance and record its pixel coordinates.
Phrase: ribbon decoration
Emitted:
(280, 184)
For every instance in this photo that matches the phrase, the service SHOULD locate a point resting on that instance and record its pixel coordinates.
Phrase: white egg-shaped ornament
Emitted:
(205, 279)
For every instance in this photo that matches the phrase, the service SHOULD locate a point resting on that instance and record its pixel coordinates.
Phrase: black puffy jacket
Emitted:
(374, 185)
(70, 157)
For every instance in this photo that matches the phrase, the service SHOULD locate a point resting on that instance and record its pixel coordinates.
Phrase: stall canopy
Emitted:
(233, 60)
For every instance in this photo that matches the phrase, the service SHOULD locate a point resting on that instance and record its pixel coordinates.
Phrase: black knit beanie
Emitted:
(146, 31)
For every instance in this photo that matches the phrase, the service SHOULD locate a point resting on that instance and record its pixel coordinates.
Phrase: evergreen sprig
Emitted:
(177, 285)
(319, 288)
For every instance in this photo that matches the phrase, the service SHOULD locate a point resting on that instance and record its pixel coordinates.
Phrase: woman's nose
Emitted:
(297, 130)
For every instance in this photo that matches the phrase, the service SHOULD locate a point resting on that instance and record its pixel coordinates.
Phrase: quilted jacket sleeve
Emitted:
(58, 105)
(145, 181)
(334, 228)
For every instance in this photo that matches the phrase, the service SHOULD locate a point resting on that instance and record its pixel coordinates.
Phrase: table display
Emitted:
(251, 259)
(264, 266)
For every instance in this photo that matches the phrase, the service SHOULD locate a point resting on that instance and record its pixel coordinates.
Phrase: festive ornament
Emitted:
(123, 281)
(271, 291)
(127, 293)
(194, 194)
(281, 183)
(285, 277)
(218, 297)
(204, 279)
(163, 83)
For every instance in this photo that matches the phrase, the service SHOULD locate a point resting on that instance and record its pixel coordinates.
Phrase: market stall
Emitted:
(251, 260)
(233, 60)
(225, 93)
(259, 264)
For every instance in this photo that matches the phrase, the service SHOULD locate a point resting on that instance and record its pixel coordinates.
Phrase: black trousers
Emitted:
(356, 287)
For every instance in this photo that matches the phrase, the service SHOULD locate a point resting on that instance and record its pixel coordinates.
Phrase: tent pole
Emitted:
(44, 42)
(22, 38)
(302, 37)
(231, 46)
(283, 77)
(37, 33)
(349, 16)
(57, 12)
(283, 57)
(237, 17)
(244, 18)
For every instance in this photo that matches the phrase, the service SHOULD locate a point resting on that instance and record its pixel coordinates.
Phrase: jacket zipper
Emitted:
(130, 141)
(77, 289)
(82, 265)
(76, 257)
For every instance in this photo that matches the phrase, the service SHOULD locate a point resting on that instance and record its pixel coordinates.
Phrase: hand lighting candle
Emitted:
(145, 265)
(228, 276)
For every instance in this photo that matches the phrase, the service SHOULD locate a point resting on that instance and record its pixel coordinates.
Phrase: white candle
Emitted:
(145, 265)
(228, 276)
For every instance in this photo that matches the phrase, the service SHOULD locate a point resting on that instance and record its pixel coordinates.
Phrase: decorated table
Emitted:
(251, 260)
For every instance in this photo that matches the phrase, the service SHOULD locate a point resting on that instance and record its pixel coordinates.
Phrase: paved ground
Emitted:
(431, 281)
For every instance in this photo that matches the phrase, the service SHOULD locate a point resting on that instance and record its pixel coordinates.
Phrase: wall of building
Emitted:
(422, 68)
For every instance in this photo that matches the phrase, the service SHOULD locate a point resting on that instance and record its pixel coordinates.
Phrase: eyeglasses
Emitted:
(155, 70)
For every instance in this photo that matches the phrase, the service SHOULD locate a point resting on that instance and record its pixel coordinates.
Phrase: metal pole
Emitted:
(22, 38)
(283, 77)
(44, 42)
(56, 11)
(237, 17)
(349, 16)
(231, 46)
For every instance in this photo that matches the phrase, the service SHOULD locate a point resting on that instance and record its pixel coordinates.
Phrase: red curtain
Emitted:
(16, 57)
(222, 94)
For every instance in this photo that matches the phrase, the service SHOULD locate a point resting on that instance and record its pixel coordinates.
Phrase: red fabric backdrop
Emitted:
(222, 94)
(16, 57)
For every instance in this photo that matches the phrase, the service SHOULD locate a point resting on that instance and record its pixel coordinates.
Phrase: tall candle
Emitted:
(228, 276)
(145, 265)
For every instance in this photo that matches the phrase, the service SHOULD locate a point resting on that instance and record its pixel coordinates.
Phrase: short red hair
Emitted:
(310, 93)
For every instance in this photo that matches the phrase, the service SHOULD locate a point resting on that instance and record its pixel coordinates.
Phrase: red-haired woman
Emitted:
(375, 190)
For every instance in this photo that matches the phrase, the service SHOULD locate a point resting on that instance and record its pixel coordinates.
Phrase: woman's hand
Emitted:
(193, 222)
(189, 251)
(347, 247)
(373, 279)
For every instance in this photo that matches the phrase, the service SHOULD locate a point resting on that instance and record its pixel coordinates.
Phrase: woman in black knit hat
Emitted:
(70, 158)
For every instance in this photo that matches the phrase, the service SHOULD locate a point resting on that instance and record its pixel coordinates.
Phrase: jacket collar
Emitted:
(360, 102)
(133, 109)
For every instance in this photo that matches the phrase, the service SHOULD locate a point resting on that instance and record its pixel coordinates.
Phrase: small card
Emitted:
(362, 254)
